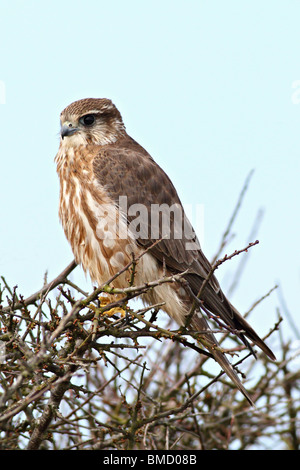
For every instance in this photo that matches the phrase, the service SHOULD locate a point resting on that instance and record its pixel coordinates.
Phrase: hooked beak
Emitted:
(67, 129)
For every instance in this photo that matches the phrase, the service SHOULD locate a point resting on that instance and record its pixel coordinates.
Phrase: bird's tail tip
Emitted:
(229, 370)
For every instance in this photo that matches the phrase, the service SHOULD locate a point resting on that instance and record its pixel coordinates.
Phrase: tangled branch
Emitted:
(70, 380)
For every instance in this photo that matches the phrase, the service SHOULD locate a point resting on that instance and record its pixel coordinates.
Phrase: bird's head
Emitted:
(91, 120)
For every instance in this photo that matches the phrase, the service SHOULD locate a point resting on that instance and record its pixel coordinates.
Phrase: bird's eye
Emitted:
(87, 120)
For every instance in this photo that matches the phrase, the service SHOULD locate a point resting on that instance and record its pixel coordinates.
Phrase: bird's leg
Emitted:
(104, 300)
(107, 299)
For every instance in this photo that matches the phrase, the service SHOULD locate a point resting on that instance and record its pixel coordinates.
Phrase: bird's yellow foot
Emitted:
(107, 299)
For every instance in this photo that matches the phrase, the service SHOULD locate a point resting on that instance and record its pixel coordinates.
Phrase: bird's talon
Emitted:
(105, 300)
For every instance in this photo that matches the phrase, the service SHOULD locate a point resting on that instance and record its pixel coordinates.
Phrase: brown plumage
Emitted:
(106, 181)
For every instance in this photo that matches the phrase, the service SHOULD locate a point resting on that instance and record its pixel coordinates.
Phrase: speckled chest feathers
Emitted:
(91, 220)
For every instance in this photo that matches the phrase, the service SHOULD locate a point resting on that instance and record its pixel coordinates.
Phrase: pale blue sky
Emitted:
(205, 86)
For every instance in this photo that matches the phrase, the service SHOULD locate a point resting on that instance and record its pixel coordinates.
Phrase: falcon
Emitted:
(116, 204)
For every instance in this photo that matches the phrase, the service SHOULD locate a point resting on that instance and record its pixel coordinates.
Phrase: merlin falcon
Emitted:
(106, 179)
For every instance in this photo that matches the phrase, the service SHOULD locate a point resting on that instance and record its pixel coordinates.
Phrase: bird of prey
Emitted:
(115, 203)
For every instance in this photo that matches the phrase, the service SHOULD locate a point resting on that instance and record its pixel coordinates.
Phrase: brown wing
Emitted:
(128, 170)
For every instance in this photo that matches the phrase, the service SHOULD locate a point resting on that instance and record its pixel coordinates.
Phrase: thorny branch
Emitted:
(56, 377)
